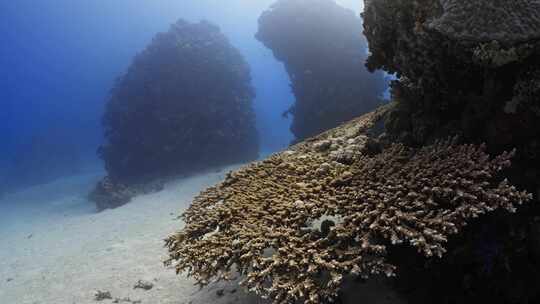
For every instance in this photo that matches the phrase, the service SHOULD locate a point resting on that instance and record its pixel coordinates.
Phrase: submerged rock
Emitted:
(322, 47)
(107, 194)
(185, 104)
(145, 285)
(102, 295)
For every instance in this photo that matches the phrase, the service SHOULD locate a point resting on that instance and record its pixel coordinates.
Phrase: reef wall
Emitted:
(185, 104)
(471, 69)
(323, 50)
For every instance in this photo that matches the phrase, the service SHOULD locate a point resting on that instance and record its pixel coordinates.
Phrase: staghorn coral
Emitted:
(299, 223)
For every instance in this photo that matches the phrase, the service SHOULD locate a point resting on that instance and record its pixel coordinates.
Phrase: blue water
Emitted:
(59, 59)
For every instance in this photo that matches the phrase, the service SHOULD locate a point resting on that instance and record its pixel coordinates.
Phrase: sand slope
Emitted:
(54, 247)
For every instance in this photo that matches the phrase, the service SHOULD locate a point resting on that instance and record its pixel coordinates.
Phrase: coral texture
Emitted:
(185, 104)
(507, 21)
(322, 48)
(299, 223)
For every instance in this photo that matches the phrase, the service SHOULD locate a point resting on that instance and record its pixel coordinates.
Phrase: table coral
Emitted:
(300, 222)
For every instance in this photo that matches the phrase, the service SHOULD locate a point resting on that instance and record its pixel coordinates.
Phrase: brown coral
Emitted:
(298, 223)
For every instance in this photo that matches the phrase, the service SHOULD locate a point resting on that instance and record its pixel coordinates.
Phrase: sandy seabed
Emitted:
(55, 248)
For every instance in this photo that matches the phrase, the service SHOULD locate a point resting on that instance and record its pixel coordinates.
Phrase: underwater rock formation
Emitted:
(323, 50)
(108, 194)
(464, 67)
(468, 68)
(185, 104)
(331, 208)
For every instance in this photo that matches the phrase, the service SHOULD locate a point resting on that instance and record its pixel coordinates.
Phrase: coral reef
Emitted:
(301, 222)
(468, 68)
(322, 48)
(358, 201)
(185, 104)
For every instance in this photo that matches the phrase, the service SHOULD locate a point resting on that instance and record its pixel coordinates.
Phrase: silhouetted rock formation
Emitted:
(468, 68)
(185, 104)
(323, 49)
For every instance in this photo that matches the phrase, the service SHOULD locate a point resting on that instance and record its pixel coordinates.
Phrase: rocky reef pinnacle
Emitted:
(185, 104)
(322, 47)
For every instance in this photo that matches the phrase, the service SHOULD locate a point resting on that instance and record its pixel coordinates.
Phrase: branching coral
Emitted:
(297, 224)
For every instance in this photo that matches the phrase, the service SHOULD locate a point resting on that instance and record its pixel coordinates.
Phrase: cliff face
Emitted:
(185, 104)
(322, 47)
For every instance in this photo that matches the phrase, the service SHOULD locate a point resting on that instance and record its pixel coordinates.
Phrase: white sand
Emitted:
(55, 249)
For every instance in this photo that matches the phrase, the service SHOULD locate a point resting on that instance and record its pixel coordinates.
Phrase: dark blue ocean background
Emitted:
(59, 59)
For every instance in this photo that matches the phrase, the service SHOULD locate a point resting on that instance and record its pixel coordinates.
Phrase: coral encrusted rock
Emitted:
(185, 104)
(323, 50)
(301, 222)
(472, 69)
(487, 20)
(463, 68)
